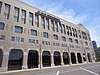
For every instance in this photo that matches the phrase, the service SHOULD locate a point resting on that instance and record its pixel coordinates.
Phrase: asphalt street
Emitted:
(85, 69)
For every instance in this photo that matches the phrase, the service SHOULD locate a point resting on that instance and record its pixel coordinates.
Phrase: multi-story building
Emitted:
(97, 53)
(94, 44)
(31, 38)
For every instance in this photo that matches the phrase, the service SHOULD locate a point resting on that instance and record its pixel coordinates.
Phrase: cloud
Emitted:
(94, 28)
(67, 14)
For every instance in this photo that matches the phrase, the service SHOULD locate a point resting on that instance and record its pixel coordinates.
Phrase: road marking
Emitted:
(57, 73)
(89, 71)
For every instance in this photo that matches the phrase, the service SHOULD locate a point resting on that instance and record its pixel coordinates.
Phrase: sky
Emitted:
(86, 12)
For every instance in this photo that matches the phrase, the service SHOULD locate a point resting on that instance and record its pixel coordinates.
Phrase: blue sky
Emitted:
(86, 12)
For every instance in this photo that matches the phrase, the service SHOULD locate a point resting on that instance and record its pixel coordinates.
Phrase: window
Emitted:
(23, 16)
(86, 43)
(55, 37)
(18, 29)
(56, 24)
(16, 14)
(33, 41)
(63, 38)
(70, 31)
(17, 39)
(29, 40)
(30, 18)
(0, 6)
(33, 32)
(64, 28)
(7, 11)
(47, 24)
(37, 20)
(45, 34)
(67, 30)
(2, 37)
(52, 25)
(42, 42)
(12, 38)
(22, 39)
(2, 26)
(76, 41)
(37, 41)
(43, 22)
(60, 28)
(70, 40)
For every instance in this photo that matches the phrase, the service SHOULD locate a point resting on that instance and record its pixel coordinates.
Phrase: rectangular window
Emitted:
(64, 30)
(17, 39)
(43, 22)
(55, 37)
(2, 37)
(12, 38)
(0, 6)
(67, 30)
(2, 25)
(33, 41)
(7, 11)
(37, 41)
(56, 24)
(16, 14)
(30, 18)
(76, 41)
(29, 40)
(37, 20)
(23, 18)
(18, 29)
(33, 32)
(47, 24)
(52, 25)
(22, 39)
(60, 28)
(42, 42)
(70, 40)
(45, 34)
(63, 38)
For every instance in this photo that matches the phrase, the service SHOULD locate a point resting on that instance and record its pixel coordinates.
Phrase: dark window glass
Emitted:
(18, 29)
(23, 18)
(70, 40)
(16, 14)
(47, 24)
(30, 18)
(43, 22)
(37, 41)
(7, 11)
(33, 32)
(2, 26)
(76, 41)
(63, 38)
(15, 61)
(29, 40)
(2, 37)
(55, 37)
(37, 20)
(33, 41)
(52, 25)
(45, 34)
(22, 39)
(17, 39)
(56, 24)
(12, 38)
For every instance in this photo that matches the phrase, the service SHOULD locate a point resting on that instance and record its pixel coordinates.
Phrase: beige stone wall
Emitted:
(7, 45)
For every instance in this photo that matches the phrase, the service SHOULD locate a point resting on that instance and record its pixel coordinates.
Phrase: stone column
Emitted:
(5, 60)
(25, 60)
(52, 60)
(62, 63)
(76, 58)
